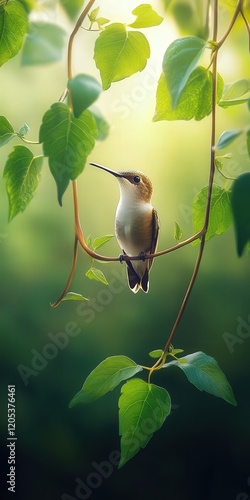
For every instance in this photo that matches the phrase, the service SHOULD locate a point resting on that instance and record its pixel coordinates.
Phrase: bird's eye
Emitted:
(137, 179)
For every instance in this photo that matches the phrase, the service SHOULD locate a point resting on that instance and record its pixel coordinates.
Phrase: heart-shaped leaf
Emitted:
(145, 17)
(22, 174)
(120, 53)
(143, 408)
(67, 141)
(13, 27)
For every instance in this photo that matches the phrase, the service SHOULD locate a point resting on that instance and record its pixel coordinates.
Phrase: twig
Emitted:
(238, 9)
(71, 276)
(73, 34)
(162, 359)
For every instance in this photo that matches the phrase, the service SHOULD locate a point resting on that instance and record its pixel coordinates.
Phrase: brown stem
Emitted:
(125, 258)
(161, 360)
(73, 34)
(238, 9)
(247, 25)
(71, 276)
(63, 96)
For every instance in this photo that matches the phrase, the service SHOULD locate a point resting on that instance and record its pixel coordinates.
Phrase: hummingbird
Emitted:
(136, 224)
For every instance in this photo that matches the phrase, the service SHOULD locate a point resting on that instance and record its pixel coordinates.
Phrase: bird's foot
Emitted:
(142, 255)
(121, 258)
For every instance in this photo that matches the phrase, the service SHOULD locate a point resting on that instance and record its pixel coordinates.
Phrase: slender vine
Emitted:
(162, 359)
(79, 236)
(77, 122)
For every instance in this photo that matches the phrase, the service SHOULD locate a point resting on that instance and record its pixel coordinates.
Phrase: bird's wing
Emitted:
(155, 234)
(155, 231)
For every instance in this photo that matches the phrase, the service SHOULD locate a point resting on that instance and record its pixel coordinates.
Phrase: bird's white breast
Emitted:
(133, 227)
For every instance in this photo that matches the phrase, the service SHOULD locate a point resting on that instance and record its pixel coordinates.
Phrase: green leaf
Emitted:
(156, 353)
(72, 7)
(84, 90)
(205, 374)
(120, 53)
(89, 241)
(233, 102)
(104, 378)
(219, 163)
(220, 211)
(190, 17)
(195, 100)
(227, 137)
(28, 5)
(97, 275)
(22, 174)
(236, 89)
(101, 123)
(6, 131)
(240, 199)
(233, 91)
(44, 44)
(174, 351)
(74, 296)
(93, 14)
(143, 408)
(67, 141)
(145, 17)
(177, 232)
(179, 61)
(13, 27)
(99, 242)
(248, 141)
(101, 21)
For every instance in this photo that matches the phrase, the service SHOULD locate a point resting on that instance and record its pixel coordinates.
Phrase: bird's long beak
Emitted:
(113, 172)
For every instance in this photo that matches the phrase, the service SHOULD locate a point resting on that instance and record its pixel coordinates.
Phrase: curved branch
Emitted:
(238, 9)
(125, 257)
(63, 96)
(71, 276)
(161, 360)
(246, 23)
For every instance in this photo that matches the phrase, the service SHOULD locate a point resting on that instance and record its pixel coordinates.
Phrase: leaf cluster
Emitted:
(189, 87)
(143, 406)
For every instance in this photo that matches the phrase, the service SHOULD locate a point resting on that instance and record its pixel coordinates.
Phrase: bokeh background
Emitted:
(202, 450)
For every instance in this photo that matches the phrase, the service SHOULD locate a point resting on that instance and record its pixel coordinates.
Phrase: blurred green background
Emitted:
(202, 451)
